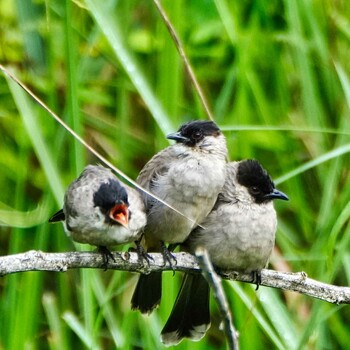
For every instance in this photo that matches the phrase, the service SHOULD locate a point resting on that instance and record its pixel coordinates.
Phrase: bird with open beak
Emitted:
(101, 210)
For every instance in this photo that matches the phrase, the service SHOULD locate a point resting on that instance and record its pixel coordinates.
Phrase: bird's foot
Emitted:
(168, 257)
(106, 255)
(142, 253)
(256, 275)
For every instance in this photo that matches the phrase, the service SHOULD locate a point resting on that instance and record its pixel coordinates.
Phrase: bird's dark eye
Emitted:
(197, 135)
(254, 190)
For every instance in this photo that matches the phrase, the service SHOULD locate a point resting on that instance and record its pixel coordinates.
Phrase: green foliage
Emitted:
(276, 76)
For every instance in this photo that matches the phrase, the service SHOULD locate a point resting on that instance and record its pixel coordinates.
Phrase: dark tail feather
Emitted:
(190, 317)
(148, 293)
(59, 216)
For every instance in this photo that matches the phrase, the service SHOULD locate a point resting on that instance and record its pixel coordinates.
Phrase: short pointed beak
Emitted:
(276, 194)
(120, 214)
(177, 137)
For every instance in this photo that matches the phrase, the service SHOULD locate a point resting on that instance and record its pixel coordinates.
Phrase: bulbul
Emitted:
(101, 210)
(189, 176)
(239, 235)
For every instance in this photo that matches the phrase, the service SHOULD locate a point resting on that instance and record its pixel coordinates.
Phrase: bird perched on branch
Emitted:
(101, 210)
(188, 176)
(239, 235)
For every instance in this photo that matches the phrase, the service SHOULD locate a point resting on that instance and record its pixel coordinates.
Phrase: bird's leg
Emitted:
(256, 275)
(142, 253)
(168, 256)
(106, 255)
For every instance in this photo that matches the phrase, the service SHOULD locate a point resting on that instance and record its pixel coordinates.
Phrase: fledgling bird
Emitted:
(239, 235)
(101, 210)
(189, 176)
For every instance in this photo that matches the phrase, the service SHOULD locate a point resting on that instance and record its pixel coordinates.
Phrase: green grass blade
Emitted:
(57, 339)
(102, 12)
(34, 131)
(340, 151)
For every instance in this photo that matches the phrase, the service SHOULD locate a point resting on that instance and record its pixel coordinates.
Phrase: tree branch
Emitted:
(125, 261)
(214, 281)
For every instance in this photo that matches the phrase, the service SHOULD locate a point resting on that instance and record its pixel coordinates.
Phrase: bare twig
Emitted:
(185, 59)
(40, 261)
(214, 281)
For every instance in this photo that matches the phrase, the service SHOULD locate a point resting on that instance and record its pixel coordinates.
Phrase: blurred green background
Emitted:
(276, 75)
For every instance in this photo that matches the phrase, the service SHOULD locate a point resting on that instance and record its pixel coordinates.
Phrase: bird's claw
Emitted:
(106, 255)
(168, 257)
(142, 253)
(256, 275)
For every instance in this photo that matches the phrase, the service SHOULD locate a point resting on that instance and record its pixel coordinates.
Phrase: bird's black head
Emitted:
(109, 195)
(258, 182)
(192, 133)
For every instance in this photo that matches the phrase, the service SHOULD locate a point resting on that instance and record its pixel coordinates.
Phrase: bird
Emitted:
(238, 234)
(188, 176)
(101, 210)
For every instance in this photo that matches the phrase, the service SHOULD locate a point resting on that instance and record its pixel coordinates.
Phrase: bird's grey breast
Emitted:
(238, 236)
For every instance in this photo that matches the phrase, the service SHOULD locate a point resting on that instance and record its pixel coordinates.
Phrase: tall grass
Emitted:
(276, 75)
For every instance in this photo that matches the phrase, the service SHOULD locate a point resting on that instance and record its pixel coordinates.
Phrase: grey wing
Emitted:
(157, 166)
(73, 199)
(204, 234)
(137, 209)
(79, 195)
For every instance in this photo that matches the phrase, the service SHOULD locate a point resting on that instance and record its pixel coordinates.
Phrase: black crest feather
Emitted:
(253, 176)
(196, 130)
(108, 194)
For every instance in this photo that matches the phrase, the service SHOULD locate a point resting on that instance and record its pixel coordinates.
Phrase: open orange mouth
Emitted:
(120, 214)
